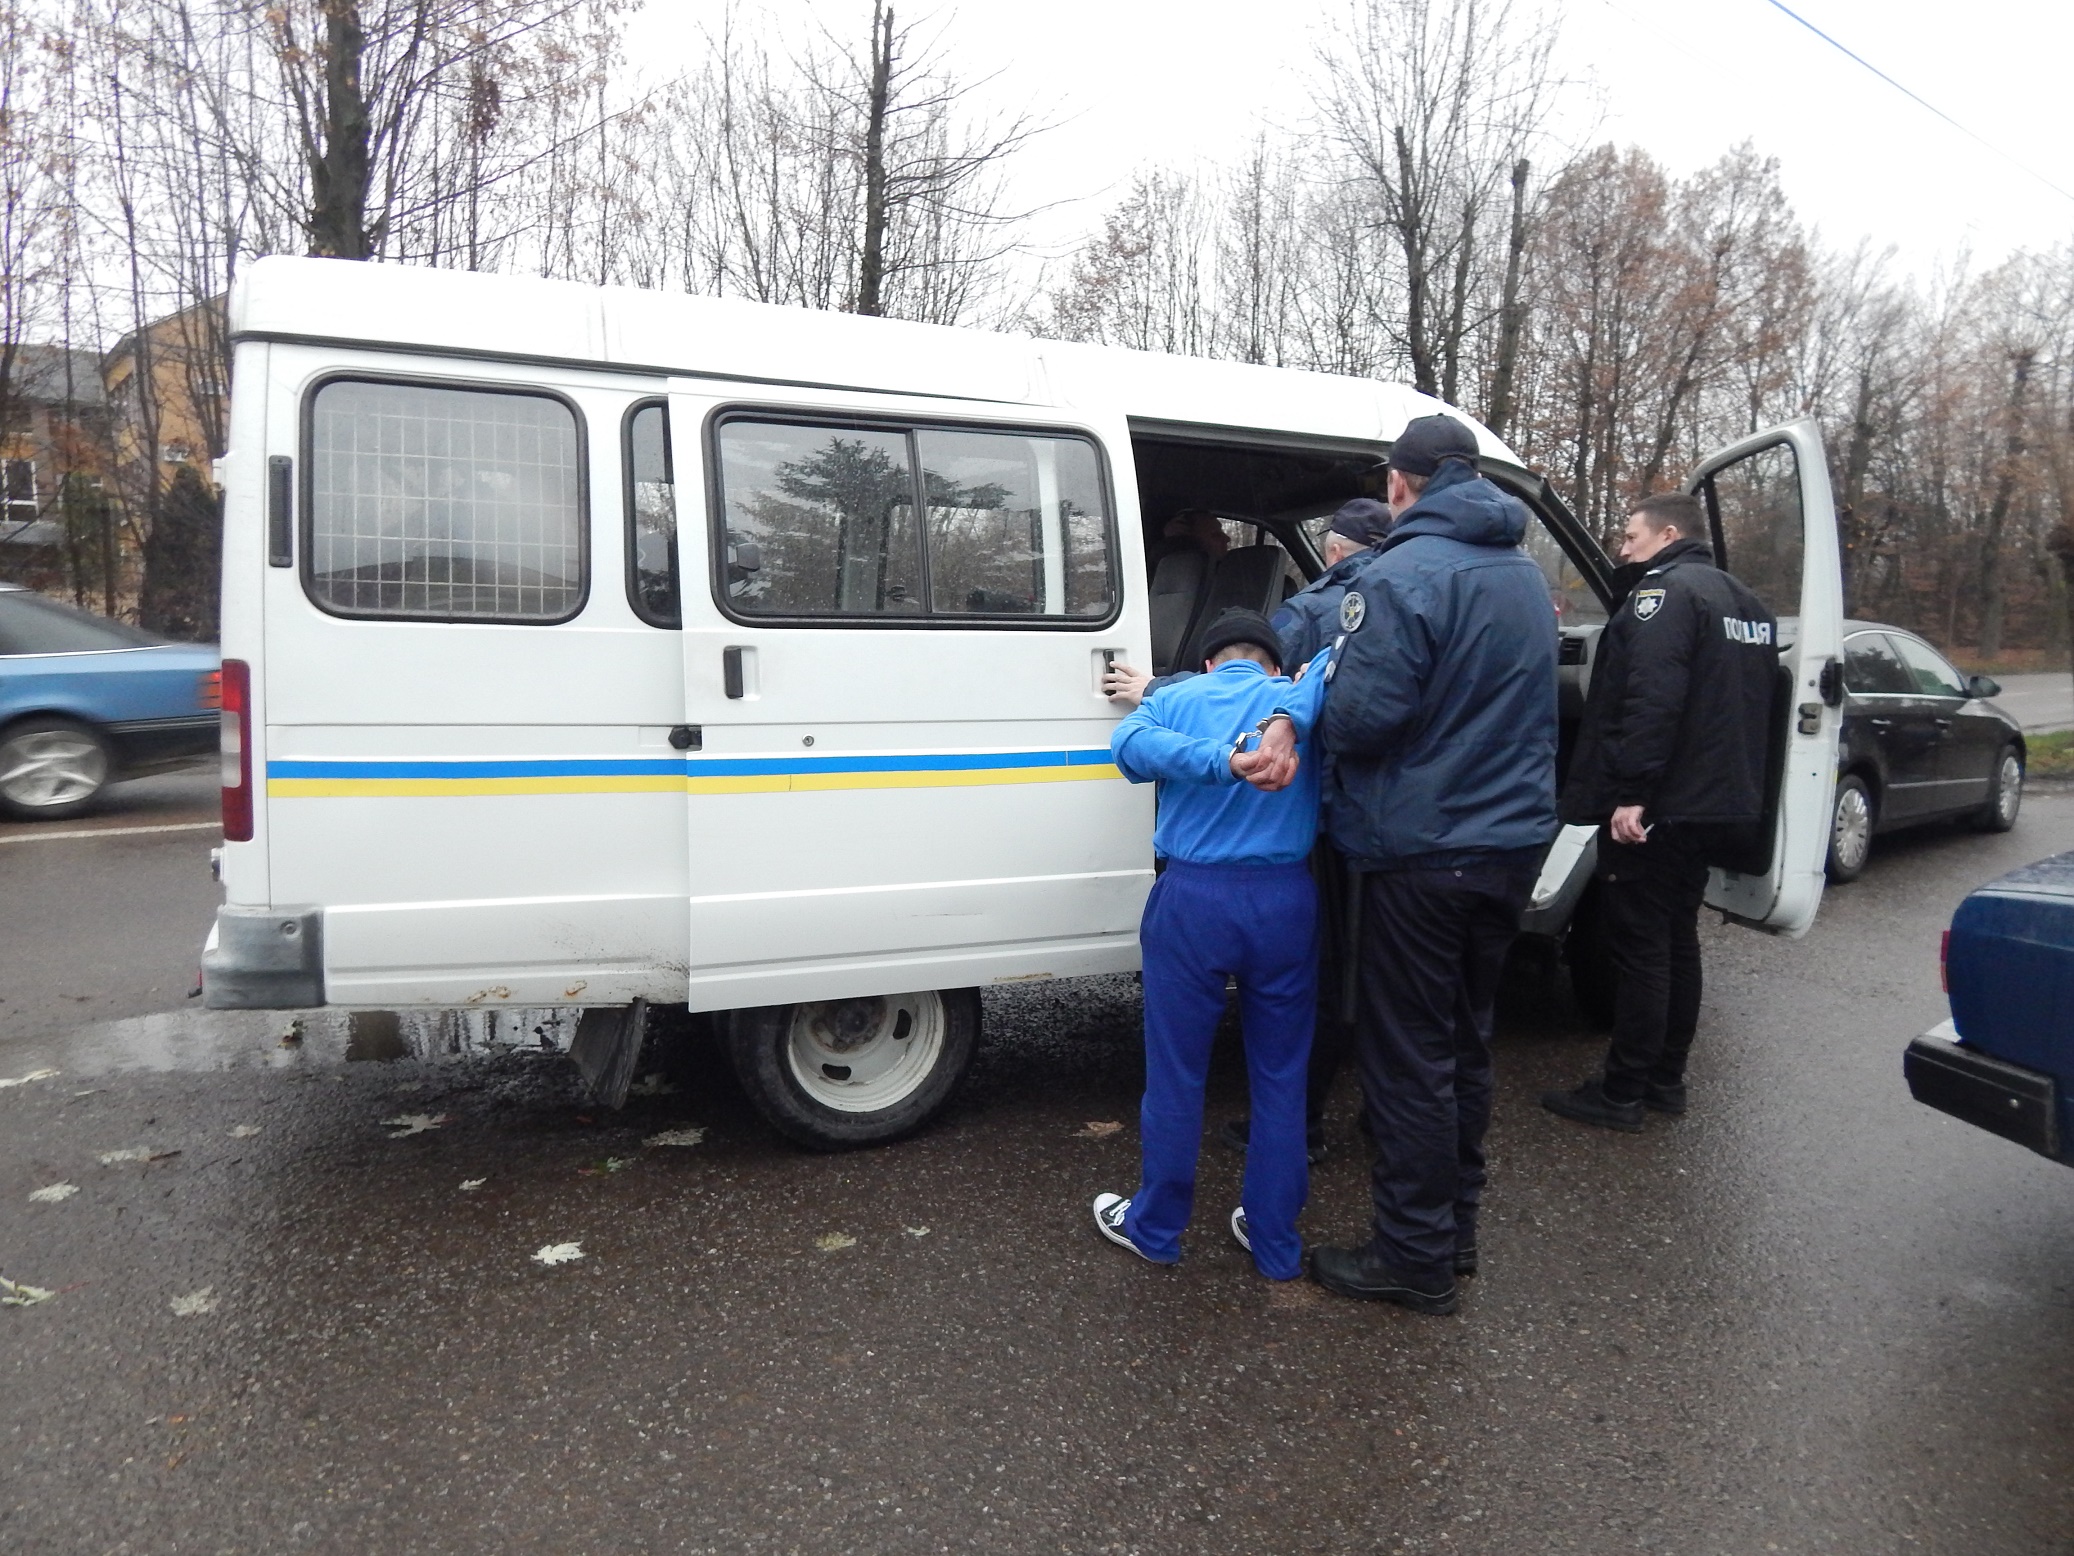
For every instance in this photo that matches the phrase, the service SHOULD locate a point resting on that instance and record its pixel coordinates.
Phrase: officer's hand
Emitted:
(1273, 765)
(1122, 684)
(1626, 825)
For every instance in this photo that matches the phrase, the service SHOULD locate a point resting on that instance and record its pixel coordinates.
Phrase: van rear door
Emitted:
(895, 616)
(1773, 525)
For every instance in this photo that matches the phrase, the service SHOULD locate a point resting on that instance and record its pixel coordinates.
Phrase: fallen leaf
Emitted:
(20, 1294)
(832, 1242)
(408, 1086)
(23, 1080)
(195, 1303)
(55, 1193)
(652, 1086)
(406, 1124)
(916, 1231)
(244, 1131)
(1099, 1131)
(677, 1137)
(559, 1253)
(136, 1153)
(470, 1185)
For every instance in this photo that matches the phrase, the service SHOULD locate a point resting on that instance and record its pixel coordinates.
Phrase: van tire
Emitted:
(833, 1075)
(1593, 977)
(52, 768)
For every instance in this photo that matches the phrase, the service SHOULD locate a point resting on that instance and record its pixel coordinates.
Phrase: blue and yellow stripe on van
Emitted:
(296, 779)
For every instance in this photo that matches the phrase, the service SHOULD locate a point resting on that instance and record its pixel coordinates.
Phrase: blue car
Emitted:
(2005, 1060)
(86, 702)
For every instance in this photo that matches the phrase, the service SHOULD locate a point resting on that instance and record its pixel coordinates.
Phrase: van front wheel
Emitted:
(835, 1074)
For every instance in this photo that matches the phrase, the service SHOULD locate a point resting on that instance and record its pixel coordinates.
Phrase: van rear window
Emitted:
(444, 504)
(931, 522)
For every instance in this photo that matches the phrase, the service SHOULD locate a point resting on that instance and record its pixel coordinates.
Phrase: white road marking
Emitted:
(53, 837)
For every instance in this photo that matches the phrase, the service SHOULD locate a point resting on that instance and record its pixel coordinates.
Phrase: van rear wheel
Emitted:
(832, 1075)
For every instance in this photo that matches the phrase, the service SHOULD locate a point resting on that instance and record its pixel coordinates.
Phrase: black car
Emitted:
(1921, 742)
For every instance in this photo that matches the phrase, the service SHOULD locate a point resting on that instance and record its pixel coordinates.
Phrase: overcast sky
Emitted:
(1183, 81)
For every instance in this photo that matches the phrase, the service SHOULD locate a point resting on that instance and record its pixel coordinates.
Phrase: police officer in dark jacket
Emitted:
(1440, 734)
(1670, 761)
(1309, 619)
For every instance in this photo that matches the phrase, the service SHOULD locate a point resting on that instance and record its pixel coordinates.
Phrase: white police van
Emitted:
(591, 647)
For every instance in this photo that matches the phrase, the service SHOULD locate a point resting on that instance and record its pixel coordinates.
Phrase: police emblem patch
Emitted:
(1647, 603)
(1352, 609)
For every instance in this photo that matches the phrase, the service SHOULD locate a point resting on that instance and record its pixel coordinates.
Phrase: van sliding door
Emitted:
(894, 622)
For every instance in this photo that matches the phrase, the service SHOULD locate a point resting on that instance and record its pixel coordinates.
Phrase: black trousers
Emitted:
(1650, 895)
(1432, 944)
(1329, 1038)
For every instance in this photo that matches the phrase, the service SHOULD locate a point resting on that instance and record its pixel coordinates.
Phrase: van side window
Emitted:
(444, 504)
(821, 521)
(651, 517)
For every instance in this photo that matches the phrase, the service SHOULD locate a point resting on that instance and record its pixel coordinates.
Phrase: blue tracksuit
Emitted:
(1235, 900)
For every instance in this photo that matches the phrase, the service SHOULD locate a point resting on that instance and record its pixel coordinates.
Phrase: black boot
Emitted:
(1362, 1272)
(1665, 1099)
(1589, 1104)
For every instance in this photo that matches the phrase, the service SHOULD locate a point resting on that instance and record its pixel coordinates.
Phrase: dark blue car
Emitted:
(2005, 1061)
(86, 702)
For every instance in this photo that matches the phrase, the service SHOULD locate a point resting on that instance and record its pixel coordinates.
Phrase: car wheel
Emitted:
(1850, 829)
(2005, 793)
(1593, 978)
(835, 1074)
(51, 768)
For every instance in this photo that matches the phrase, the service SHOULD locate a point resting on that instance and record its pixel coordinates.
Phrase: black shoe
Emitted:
(1465, 1260)
(1589, 1104)
(1360, 1272)
(1665, 1099)
(1238, 1132)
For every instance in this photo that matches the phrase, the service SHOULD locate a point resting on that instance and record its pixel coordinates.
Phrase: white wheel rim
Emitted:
(51, 767)
(865, 1055)
(2011, 793)
(1853, 833)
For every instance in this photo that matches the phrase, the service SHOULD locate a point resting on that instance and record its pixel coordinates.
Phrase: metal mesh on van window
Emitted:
(444, 503)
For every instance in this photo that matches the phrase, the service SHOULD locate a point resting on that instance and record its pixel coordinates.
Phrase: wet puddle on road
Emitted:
(281, 1039)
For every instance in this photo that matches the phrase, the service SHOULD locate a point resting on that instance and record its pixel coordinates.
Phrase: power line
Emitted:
(1920, 100)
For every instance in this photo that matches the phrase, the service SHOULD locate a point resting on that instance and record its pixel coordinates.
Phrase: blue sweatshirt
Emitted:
(1182, 736)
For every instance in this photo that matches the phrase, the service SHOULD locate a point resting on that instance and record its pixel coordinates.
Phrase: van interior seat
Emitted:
(1178, 583)
(1248, 578)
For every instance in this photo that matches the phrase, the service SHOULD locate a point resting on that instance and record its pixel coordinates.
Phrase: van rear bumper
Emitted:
(264, 959)
(2002, 1098)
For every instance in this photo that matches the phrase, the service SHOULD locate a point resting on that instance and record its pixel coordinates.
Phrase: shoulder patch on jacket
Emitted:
(1647, 603)
(1352, 610)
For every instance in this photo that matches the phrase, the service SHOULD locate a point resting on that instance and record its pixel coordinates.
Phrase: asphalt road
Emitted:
(1810, 1317)
(2039, 702)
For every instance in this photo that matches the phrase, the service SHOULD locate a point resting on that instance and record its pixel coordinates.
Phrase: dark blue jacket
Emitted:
(1441, 719)
(1309, 619)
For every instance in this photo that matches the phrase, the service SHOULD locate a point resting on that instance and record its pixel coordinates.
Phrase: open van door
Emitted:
(1773, 525)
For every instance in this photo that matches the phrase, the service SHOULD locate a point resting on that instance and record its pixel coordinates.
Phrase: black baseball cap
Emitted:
(1364, 521)
(1241, 626)
(1428, 440)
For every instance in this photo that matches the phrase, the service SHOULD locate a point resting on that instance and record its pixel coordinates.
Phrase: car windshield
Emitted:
(31, 624)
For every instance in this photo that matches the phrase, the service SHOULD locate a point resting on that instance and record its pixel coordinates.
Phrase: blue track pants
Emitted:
(1203, 923)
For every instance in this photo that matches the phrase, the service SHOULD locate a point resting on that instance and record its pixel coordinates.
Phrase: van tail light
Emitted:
(1944, 961)
(236, 686)
(208, 691)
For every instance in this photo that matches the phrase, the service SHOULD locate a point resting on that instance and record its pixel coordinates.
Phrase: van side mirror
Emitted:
(1981, 686)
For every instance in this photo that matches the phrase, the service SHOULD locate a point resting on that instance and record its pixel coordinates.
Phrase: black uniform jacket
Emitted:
(1678, 719)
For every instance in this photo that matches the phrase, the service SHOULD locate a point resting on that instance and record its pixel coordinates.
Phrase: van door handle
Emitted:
(1881, 723)
(1942, 723)
(738, 672)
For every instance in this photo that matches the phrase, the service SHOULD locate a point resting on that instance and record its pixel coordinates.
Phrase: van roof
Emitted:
(462, 313)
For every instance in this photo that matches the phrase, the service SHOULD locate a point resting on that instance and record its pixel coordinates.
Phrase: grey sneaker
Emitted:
(1110, 1209)
(1239, 1234)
